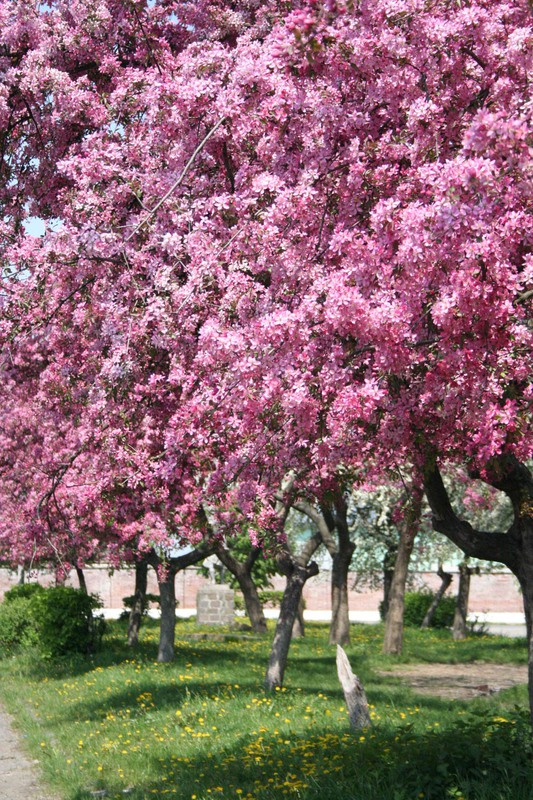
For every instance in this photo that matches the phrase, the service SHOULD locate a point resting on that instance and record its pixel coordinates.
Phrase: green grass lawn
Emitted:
(120, 725)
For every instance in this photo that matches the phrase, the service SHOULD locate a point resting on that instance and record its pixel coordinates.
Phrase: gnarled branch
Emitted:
(486, 545)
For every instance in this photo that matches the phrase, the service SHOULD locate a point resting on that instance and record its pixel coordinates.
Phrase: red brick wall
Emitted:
(497, 592)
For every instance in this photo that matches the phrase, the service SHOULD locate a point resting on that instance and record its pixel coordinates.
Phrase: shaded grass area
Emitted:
(202, 727)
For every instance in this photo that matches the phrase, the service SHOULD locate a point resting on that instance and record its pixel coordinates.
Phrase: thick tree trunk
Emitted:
(446, 579)
(137, 609)
(461, 608)
(527, 592)
(296, 578)
(339, 632)
(393, 639)
(168, 615)
(298, 629)
(81, 580)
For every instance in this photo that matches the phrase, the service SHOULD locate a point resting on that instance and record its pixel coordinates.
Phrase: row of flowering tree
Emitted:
(283, 243)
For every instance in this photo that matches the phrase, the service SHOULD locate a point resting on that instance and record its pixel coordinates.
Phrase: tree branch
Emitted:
(478, 544)
(319, 520)
(175, 185)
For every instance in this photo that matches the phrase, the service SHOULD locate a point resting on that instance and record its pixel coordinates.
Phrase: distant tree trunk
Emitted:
(389, 561)
(332, 517)
(461, 607)
(393, 639)
(252, 602)
(139, 602)
(21, 575)
(296, 578)
(446, 579)
(167, 594)
(81, 580)
(242, 571)
(166, 570)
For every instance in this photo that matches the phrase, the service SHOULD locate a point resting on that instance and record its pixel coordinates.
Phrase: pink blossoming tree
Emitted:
(279, 241)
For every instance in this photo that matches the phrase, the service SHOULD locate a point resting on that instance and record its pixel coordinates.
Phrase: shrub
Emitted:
(271, 597)
(416, 605)
(64, 621)
(22, 590)
(130, 600)
(17, 627)
(443, 617)
(148, 598)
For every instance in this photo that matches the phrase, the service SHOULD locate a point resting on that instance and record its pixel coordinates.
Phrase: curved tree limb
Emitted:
(477, 544)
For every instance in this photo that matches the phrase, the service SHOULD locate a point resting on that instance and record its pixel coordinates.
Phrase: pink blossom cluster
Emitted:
(277, 241)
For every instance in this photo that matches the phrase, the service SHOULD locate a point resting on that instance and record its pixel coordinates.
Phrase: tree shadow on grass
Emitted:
(481, 758)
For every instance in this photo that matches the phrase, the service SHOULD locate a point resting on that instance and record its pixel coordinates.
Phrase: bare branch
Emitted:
(175, 185)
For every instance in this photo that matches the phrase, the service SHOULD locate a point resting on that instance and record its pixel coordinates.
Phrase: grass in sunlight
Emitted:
(120, 725)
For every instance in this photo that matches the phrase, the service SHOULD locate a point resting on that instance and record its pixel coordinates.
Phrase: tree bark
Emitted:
(254, 607)
(296, 578)
(297, 569)
(81, 580)
(333, 517)
(167, 595)
(137, 609)
(393, 639)
(446, 579)
(354, 694)
(461, 608)
(242, 571)
(298, 628)
(527, 593)
(389, 561)
(339, 632)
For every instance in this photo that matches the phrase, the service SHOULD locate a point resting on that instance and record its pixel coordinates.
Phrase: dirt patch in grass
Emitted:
(459, 681)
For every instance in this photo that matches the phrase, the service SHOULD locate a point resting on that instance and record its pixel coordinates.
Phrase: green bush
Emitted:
(22, 590)
(271, 597)
(64, 621)
(130, 600)
(443, 617)
(148, 598)
(416, 605)
(17, 627)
